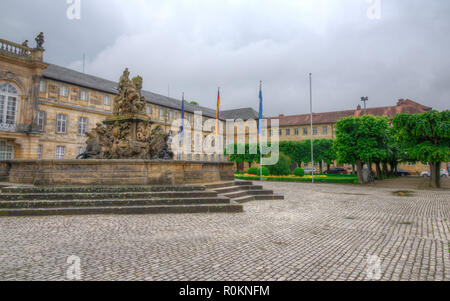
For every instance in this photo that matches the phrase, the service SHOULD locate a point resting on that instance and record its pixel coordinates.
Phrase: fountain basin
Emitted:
(114, 172)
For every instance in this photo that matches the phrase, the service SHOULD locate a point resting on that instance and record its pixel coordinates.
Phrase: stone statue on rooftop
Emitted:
(40, 40)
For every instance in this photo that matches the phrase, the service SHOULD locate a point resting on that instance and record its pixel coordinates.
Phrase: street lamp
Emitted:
(365, 99)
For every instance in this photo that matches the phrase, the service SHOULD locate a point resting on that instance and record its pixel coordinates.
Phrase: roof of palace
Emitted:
(93, 82)
(403, 106)
(242, 113)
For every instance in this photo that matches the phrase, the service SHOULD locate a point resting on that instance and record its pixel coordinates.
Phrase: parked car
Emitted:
(336, 171)
(427, 174)
(309, 171)
(402, 173)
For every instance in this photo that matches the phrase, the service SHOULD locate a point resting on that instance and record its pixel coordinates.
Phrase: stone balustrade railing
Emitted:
(7, 127)
(19, 51)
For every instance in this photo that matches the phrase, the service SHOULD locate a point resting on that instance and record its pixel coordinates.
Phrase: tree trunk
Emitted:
(369, 166)
(385, 169)
(359, 168)
(353, 168)
(435, 179)
(321, 167)
(249, 164)
(379, 174)
(393, 165)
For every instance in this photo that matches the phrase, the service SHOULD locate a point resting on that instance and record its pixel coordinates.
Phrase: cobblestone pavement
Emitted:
(322, 232)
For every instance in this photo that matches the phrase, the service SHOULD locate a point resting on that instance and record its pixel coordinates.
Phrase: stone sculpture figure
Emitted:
(129, 133)
(40, 40)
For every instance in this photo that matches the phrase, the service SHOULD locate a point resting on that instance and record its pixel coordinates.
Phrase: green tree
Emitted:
(361, 140)
(324, 152)
(294, 150)
(246, 156)
(425, 137)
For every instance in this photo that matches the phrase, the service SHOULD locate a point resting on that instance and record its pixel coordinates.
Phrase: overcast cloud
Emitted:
(196, 46)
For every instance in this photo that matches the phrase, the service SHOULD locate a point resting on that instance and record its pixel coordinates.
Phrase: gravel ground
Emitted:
(320, 232)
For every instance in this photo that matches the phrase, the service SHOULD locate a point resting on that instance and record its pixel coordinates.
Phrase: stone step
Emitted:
(213, 186)
(250, 198)
(98, 189)
(112, 202)
(242, 182)
(240, 193)
(269, 197)
(103, 196)
(260, 192)
(236, 194)
(243, 199)
(237, 188)
(221, 208)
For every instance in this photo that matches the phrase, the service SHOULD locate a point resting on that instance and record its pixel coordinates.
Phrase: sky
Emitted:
(384, 49)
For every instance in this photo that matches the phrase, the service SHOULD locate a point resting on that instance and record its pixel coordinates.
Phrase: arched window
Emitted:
(8, 106)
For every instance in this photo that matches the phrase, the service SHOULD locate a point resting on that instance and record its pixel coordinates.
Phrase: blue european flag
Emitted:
(260, 110)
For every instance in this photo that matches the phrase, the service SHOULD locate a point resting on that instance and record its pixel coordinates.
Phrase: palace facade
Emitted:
(298, 127)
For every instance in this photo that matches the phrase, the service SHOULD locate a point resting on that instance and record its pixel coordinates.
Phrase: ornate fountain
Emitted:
(129, 133)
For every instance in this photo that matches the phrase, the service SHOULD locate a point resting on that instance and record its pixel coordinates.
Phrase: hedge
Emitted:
(341, 180)
(282, 168)
(257, 171)
(299, 172)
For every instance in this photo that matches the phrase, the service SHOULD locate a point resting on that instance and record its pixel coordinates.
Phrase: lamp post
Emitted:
(365, 99)
(311, 111)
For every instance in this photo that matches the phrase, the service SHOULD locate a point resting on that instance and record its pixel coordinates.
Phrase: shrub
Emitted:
(299, 172)
(257, 171)
(253, 171)
(282, 168)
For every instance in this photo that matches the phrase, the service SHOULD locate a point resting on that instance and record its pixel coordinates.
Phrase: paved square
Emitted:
(321, 232)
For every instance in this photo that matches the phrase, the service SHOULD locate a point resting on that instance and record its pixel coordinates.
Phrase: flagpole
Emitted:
(260, 135)
(312, 141)
(217, 113)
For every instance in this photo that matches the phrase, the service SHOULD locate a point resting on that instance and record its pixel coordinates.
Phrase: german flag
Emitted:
(217, 112)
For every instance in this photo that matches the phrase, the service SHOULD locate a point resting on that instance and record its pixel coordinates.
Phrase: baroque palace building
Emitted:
(45, 110)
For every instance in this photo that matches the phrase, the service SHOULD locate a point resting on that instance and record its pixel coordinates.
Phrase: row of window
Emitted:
(305, 131)
(198, 157)
(61, 123)
(64, 92)
(170, 115)
(85, 96)
(6, 153)
(60, 152)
